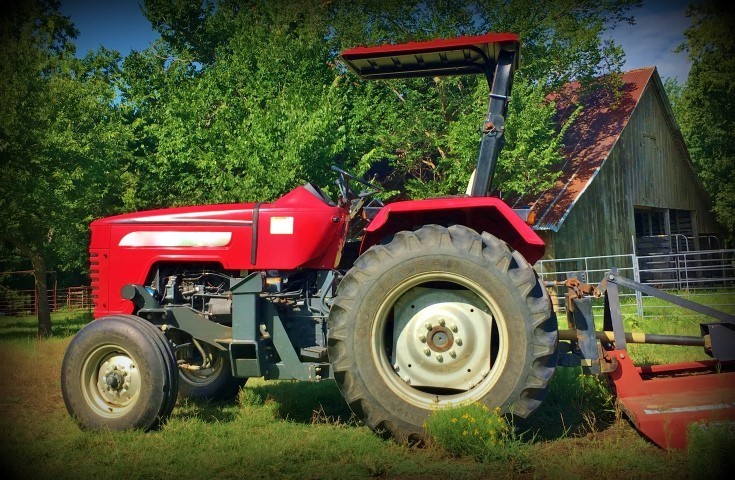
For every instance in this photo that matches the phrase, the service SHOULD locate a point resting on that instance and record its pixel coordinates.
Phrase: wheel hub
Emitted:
(114, 380)
(441, 338)
(118, 381)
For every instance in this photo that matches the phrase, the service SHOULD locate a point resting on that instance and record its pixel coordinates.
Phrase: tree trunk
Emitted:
(42, 306)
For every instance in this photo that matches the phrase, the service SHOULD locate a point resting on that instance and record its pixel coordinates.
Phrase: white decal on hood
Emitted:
(281, 225)
(176, 239)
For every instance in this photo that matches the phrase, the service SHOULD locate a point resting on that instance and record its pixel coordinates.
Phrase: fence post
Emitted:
(637, 278)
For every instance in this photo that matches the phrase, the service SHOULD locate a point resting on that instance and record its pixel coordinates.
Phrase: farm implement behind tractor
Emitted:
(662, 401)
(410, 306)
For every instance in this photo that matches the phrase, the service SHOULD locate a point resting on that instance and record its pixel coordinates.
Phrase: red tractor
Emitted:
(440, 307)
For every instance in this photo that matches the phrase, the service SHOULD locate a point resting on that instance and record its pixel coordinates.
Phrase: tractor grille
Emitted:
(97, 272)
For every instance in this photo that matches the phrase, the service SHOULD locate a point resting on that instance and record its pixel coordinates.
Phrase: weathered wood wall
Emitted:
(646, 167)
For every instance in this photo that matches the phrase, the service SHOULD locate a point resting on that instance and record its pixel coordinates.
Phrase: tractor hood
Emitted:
(225, 214)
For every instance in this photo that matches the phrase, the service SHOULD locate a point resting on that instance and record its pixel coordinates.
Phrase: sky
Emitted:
(120, 25)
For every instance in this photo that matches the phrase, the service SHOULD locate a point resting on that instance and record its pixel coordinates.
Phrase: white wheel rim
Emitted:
(111, 381)
(426, 381)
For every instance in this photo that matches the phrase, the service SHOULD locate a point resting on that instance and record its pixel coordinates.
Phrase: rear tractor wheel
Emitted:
(440, 317)
(119, 373)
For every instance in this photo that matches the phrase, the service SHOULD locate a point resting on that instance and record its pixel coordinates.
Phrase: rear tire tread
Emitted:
(542, 327)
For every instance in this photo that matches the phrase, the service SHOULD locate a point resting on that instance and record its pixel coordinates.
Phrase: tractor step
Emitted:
(314, 353)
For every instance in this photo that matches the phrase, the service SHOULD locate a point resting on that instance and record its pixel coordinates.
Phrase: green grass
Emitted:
(283, 429)
(710, 451)
(476, 431)
(63, 323)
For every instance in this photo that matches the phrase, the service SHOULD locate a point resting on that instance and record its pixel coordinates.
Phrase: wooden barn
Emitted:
(627, 175)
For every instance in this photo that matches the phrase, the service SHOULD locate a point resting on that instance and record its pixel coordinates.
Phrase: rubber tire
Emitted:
(223, 386)
(506, 276)
(167, 351)
(151, 354)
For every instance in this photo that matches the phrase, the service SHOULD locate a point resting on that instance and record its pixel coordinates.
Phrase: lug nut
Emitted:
(422, 338)
(453, 327)
(458, 341)
(439, 358)
(428, 325)
(395, 367)
(427, 352)
(453, 354)
(441, 322)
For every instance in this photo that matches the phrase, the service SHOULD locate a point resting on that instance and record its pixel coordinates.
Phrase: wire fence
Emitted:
(25, 302)
(705, 276)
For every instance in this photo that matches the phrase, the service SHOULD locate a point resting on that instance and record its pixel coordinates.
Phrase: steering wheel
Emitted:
(344, 185)
(347, 195)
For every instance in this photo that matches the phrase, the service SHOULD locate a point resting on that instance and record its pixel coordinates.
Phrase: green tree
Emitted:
(706, 108)
(243, 100)
(60, 138)
(255, 121)
(427, 129)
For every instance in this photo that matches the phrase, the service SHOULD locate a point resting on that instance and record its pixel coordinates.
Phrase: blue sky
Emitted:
(119, 25)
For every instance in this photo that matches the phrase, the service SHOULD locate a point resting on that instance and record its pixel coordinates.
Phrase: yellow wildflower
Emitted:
(454, 420)
(464, 432)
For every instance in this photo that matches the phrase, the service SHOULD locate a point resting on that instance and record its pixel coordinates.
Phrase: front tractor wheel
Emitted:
(439, 317)
(119, 374)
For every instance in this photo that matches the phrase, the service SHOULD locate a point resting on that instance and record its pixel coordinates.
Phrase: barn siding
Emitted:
(600, 222)
(659, 172)
(644, 168)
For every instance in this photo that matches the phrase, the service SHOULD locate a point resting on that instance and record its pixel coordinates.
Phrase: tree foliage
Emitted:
(260, 118)
(428, 130)
(706, 108)
(243, 100)
(60, 139)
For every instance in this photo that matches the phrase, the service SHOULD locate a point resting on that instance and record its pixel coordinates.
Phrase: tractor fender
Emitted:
(483, 214)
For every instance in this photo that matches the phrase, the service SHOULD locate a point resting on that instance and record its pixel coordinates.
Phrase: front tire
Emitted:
(118, 374)
(439, 317)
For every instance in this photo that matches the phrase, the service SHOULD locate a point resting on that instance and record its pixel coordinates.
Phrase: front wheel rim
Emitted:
(451, 360)
(111, 381)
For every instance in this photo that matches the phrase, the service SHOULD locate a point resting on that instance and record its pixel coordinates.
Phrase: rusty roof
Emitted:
(587, 144)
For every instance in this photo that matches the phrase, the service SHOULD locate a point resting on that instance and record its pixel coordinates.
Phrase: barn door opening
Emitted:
(664, 230)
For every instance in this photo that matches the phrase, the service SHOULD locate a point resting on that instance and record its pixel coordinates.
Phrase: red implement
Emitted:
(663, 400)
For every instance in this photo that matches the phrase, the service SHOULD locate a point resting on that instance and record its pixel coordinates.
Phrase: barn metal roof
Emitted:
(588, 143)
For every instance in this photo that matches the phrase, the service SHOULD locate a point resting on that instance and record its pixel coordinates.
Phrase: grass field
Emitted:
(300, 430)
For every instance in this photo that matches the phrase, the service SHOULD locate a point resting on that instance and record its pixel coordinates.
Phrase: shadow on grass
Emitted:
(575, 405)
(305, 402)
(301, 402)
(208, 411)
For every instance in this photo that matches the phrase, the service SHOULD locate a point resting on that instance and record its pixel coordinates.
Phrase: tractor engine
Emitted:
(300, 296)
(204, 289)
